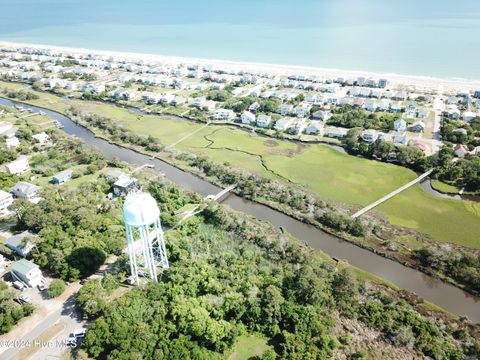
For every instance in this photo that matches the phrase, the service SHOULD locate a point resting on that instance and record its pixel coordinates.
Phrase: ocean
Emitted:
(439, 38)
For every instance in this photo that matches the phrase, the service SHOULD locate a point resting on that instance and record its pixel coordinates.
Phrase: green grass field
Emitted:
(321, 169)
(248, 346)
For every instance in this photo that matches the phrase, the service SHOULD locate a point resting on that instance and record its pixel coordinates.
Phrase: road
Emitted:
(65, 314)
(438, 108)
(392, 194)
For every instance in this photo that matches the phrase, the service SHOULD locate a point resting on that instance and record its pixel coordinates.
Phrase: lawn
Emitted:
(444, 187)
(248, 346)
(319, 168)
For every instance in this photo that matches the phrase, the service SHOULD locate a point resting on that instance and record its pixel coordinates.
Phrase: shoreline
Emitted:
(420, 82)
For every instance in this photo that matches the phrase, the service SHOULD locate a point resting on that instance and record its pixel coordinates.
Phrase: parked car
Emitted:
(18, 285)
(41, 287)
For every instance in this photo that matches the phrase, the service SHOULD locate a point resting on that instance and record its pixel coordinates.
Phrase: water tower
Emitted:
(146, 246)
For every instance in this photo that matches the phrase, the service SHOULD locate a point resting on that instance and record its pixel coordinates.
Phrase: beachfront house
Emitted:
(382, 83)
(370, 105)
(223, 114)
(264, 121)
(22, 243)
(25, 190)
(6, 199)
(247, 118)
(62, 177)
(27, 273)
(19, 166)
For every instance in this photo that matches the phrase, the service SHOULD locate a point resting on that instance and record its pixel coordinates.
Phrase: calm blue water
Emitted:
(415, 37)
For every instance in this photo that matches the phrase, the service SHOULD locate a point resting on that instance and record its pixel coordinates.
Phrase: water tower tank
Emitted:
(146, 245)
(140, 209)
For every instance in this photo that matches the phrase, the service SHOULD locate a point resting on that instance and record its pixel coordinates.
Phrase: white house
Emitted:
(264, 121)
(282, 124)
(42, 138)
(198, 102)
(6, 199)
(18, 166)
(469, 116)
(335, 132)
(302, 110)
(223, 114)
(25, 190)
(28, 273)
(400, 125)
(400, 138)
(247, 117)
(20, 243)
(285, 109)
(369, 136)
(314, 129)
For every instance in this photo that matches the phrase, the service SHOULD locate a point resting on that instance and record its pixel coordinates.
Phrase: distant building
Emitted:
(25, 190)
(282, 124)
(62, 177)
(369, 136)
(460, 150)
(264, 121)
(314, 129)
(124, 185)
(18, 166)
(247, 117)
(6, 199)
(223, 114)
(42, 138)
(400, 125)
(28, 273)
(419, 126)
(20, 243)
(382, 83)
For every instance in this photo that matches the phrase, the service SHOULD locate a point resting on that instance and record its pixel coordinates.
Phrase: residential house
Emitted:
(247, 118)
(6, 199)
(285, 109)
(224, 114)
(42, 138)
(369, 136)
(22, 243)
(396, 107)
(321, 115)
(253, 107)
(199, 102)
(400, 138)
(296, 128)
(454, 113)
(25, 190)
(335, 132)
(11, 140)
(282, 124)
(5, 126)
(370, 105)
(422, 113)
(460, 150)
(384, 105)
(314, 129)
(400, 125)
(469, 116)
(18, 166)
(62, 177)
(264, 121)
(178, 100)
(123, 185)
(27, 273)
(419, 144)
(302, 110)
(419, 126)
(382, 83)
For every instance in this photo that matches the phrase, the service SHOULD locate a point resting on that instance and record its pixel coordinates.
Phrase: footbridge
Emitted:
(392, 194)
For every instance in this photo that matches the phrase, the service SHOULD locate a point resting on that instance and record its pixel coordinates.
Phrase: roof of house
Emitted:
(63, 174)
(24, 266)
(25, 187)
(124, 181)
(16, 240)
(4, 194)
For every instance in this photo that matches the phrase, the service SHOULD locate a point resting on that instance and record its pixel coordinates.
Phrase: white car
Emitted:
(18, 285)
(25, 298)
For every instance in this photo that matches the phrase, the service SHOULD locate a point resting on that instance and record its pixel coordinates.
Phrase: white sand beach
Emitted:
(420, 82)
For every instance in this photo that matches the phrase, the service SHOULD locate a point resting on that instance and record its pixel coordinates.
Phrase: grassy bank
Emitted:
(318, 168)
